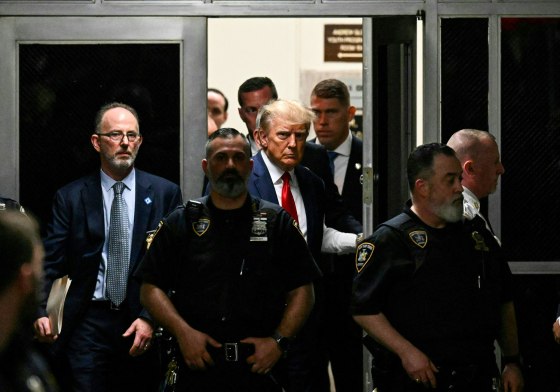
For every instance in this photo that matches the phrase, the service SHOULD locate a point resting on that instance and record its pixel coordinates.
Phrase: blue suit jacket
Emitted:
(76, 235)
(312, 191)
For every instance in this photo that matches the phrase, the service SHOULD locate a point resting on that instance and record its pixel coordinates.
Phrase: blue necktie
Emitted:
(119, 249)
(332, 157)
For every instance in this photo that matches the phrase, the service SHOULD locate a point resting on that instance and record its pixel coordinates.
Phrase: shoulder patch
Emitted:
(363, 255)
(201, 226)
(419, 238)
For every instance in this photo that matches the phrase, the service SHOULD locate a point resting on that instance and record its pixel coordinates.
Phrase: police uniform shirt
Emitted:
(445, 298)
(226, 284)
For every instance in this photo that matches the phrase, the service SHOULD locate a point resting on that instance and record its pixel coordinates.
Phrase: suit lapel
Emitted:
(261, 183)
(142, 213)
(92, 202)
(308, 194)
(353, 170)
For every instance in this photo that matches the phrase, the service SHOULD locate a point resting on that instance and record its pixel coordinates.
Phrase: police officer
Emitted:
(430, 288)
(239, 274)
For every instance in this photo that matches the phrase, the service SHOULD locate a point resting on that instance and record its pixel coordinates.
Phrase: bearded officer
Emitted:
(239, 276)
(430, 290)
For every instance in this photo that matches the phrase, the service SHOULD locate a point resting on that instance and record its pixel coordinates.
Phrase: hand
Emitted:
(419, 367)
(267, 353)
(512, 378)
(43, 330)
(556, 331)
(143, 336)
(193, 347)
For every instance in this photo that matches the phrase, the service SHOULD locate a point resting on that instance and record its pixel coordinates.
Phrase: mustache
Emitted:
(230, 172)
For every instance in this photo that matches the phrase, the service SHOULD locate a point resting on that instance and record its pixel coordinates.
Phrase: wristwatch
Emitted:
(282, 341)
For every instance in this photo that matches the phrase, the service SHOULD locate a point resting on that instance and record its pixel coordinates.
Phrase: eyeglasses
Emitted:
(118, 136)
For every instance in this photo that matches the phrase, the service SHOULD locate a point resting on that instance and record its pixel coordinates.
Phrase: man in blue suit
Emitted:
(253, 94)
(282, 129)
(104, 341)
(342, 337)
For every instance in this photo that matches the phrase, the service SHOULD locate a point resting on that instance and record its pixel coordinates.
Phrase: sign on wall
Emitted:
(343, 43)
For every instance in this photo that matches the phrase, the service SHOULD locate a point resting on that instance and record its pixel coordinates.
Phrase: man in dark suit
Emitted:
(330, 101)
(277, 176)
(253, 94)
(106, 333)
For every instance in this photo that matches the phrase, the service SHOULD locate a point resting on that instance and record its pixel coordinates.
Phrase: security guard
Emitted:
(430, 288)
(239, 276)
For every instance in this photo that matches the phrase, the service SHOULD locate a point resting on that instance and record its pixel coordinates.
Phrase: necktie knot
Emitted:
(286, 177)
(118, 188)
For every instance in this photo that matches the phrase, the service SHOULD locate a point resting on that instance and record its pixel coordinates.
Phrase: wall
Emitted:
(283, 49)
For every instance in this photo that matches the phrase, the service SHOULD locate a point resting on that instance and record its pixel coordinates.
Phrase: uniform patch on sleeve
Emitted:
(201, 226)
(363, 254)
(419, 237)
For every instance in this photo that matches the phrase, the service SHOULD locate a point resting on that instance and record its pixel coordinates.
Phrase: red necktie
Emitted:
(288, 202)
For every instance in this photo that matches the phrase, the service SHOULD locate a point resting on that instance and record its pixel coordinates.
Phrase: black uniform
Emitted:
(229, 271)
(442, 290)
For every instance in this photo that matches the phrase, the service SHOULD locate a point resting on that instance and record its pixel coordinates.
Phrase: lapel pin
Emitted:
(147, 200)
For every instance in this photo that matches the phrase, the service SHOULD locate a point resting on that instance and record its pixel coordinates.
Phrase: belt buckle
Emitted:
(231, 352)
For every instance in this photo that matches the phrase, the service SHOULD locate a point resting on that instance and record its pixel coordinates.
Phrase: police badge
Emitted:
(201, 226)
(419, 237)
(258, 230)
